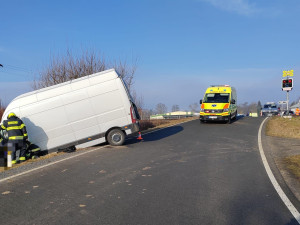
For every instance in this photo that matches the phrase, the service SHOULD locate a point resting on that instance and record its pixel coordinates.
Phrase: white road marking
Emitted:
(277, 187)
(50, 164)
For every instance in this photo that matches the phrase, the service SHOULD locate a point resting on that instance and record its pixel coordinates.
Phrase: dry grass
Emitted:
(286, 128)
(282, 127)
(293, 164)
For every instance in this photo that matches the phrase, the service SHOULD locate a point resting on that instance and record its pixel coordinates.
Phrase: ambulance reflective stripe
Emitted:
(225, 113)
(226, 106)
(4, 127)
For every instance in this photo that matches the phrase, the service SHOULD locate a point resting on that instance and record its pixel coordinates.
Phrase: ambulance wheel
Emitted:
(116, 137)
(235, 115)
(229, 119)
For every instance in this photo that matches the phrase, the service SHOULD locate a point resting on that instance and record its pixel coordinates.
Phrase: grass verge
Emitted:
(293, 164)
(282, 127)
(286, 128)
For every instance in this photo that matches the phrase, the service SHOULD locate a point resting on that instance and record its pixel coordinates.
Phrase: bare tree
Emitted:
(126, 71)
(2, 109)
(194, 107)
(139, 102)
(161, 108)
(246, 108)
(71, 66)
(175, 108)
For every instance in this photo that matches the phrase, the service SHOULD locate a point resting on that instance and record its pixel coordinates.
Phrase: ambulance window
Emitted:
(216, 98)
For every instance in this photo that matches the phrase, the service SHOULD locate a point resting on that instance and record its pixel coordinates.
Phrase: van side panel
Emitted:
(74, 111)
(47, 123)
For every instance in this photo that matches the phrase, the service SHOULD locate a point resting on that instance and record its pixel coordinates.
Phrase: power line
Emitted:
(17, 68)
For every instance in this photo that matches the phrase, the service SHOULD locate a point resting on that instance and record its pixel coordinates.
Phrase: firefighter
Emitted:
(32, 151)
(17, 136)
(297, 111)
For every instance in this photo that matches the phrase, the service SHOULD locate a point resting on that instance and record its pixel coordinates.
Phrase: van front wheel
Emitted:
(116, 137)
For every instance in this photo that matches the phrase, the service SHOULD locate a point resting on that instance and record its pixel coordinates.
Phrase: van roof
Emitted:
(220, 89)
(220, 85)
(63, 84)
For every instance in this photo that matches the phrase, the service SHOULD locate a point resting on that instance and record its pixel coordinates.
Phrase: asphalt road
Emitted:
(190, 173)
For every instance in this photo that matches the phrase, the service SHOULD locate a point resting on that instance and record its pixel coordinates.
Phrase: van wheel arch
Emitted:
(115, 136)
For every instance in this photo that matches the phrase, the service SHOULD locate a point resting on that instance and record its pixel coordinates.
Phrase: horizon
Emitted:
(182, 47)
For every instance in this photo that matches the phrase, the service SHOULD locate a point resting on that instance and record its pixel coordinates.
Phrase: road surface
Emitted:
(190, 173)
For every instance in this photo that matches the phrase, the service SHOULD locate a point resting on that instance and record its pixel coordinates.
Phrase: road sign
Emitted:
(287, 89)
(282, 102)
(287, 73)
(287, 84)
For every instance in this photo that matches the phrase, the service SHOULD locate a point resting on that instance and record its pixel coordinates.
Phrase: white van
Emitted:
(91, 110)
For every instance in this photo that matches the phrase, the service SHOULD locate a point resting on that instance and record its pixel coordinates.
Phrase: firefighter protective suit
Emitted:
(17, 136)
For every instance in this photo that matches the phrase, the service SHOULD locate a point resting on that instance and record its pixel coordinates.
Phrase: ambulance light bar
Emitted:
(222, 85)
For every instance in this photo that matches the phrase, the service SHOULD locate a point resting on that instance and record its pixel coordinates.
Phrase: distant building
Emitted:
(172, 115)
(294, 107)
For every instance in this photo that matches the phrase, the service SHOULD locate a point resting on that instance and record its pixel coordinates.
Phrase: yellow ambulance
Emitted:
(219, 104)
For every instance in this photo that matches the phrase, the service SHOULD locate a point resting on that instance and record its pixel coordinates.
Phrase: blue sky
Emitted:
(182, 46)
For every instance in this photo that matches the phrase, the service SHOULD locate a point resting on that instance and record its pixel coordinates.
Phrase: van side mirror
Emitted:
(200, 101)
(232, 101)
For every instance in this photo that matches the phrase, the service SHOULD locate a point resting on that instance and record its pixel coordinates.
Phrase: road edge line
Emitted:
(50, 164)
(273, 180)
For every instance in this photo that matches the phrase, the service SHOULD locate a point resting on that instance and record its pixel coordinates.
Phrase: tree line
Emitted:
(69, 66)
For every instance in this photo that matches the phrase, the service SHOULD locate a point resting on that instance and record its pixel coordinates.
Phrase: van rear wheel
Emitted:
(116, 137)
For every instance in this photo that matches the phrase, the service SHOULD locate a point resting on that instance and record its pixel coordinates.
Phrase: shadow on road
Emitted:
(160, 134)
(239, 117)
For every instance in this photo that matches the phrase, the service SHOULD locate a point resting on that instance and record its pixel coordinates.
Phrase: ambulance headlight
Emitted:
(226, 110)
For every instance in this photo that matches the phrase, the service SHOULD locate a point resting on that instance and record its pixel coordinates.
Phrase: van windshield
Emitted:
(273, 106)
(216, 98)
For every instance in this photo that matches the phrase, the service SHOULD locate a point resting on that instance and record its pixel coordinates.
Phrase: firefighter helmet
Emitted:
(11, 115)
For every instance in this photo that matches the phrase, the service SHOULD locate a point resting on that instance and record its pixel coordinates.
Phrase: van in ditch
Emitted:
(82, 112)
(219, 104)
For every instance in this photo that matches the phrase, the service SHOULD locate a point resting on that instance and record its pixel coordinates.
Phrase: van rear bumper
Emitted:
(132, 128)
(214, 118)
